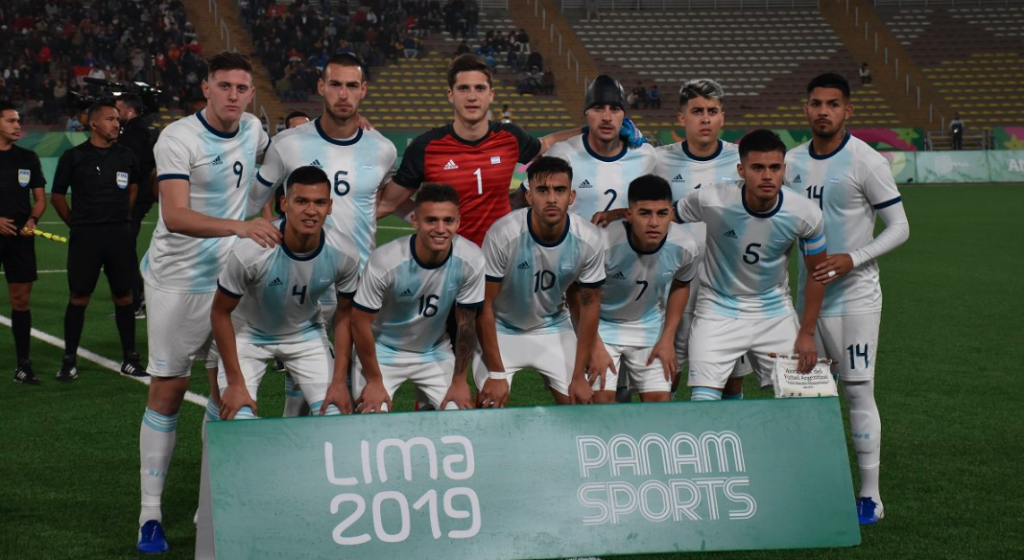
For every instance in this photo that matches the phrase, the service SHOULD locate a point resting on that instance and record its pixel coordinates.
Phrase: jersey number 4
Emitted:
(301, 294)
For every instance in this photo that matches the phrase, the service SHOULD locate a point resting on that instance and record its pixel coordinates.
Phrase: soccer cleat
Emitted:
(68, 369)
(131, 367)
(869, 511)
(140, 313)
(24, 373)
(151, 538)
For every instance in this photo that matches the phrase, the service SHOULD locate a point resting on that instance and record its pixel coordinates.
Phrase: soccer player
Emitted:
(272, 208)
(474, 155)
(104, 177)
(647, 257)
(533, 255)
(205, 165)
(603, 164)
(852, 184)
(744, 306)
(407, 290)
(20, 175)
(358, 162)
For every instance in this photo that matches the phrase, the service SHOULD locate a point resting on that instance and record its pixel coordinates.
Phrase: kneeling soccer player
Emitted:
(533, 256)
(407, 290)
(646, 258)
(744, 304)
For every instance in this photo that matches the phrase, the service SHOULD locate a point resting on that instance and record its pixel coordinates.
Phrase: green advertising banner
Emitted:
(952, 167)
(903, 166)
(1006, 166)
(540, 482)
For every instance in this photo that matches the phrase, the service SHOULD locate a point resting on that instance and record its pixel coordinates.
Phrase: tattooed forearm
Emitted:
(465, 338)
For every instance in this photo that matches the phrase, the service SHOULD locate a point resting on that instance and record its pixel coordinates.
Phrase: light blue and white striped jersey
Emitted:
(686, 173)
(534, 276)
(745, 274)
(602, 183)
(849, 186)
(636, 287)
(358, 168)
(412, 299)
(279, 290)
(219, 169)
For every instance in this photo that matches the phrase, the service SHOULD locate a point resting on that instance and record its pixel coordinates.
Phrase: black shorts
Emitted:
(111, 247)
(18, 258)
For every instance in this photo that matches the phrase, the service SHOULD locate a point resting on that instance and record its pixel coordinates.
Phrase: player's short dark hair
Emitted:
(701, 87)
(546, 165)
(307, 175)
(294, 115)
(132, 101)
(467, 62)
(649, 187)
(830, 80)
(761, 140)
(98, 106)
(7, 106)
(225, 60)
(436, 192)
(349, 59)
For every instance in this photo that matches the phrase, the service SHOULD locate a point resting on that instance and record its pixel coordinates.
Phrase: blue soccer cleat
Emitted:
(869, 511)
(151, 538)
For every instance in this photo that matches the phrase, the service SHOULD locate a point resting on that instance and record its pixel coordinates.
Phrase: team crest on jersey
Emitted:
(24, 176)
(122, 180)
(495, 160)
(566, 266)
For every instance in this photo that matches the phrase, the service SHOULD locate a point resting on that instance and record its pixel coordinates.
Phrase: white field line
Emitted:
(101, 361)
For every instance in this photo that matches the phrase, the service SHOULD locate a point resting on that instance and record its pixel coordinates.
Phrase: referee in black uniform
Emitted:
(135, 136)
(20, 175)
(104, 179)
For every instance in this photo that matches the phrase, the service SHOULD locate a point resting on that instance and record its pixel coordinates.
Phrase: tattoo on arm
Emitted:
(465, 338)
(586, 296)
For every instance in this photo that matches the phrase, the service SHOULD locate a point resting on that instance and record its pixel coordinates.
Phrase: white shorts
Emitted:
(310, 363)
(552, 355)
(717, 344)
(631, 361)
(852, 340)
(742, 367)
(178, 327)
(432, 379)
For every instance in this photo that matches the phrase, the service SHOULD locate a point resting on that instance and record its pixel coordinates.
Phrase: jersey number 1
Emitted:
(479, 181)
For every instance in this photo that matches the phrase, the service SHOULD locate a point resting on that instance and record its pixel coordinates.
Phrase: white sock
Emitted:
(294, 403)
(156, 447)
(866, 430)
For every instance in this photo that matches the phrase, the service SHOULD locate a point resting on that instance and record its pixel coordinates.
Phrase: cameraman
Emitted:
(135, 136)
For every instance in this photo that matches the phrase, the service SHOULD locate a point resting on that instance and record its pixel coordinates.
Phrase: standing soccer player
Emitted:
(852, 184)
(744, 306)
(205, 165)
(407, 290)
(20, 175)
(603, 164)
(533, 256)
(104, 178)
(649, 263)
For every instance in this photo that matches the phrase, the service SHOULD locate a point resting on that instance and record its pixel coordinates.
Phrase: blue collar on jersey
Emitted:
(309, 257)
(810, 148)
(756, 214)
(586, 146)
(202, 118)
(529, 227)
(637, 250)
(412, 249)
(686, 151)
(319, 129)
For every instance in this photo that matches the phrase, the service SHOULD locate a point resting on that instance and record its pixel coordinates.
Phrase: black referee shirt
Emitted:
(99, 178)
(20, 172)
(135, 136)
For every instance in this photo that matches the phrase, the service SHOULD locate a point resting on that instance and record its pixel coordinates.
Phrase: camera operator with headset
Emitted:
(136, 137)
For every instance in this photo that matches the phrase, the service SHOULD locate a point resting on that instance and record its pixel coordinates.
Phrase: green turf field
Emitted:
(949, 388)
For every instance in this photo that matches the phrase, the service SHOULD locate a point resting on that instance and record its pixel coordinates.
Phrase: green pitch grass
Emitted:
(949, 389)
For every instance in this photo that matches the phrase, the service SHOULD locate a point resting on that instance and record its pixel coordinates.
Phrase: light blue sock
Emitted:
(736, 397)
(705, 394)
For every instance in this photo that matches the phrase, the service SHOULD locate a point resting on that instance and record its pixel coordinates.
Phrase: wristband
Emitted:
(497, 375)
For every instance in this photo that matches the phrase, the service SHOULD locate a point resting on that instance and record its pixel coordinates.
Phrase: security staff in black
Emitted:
(135, 136)
(20, 177)
(103, 178)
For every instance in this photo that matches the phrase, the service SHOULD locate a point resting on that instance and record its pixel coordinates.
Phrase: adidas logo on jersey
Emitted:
(585, 185)
(217, 161)
(678, 179)
(797, 179)
(619, 276)
(316, 163)
(406, 293)
(525, 265)
(731, 234)
(276, 282)
(450, 165)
